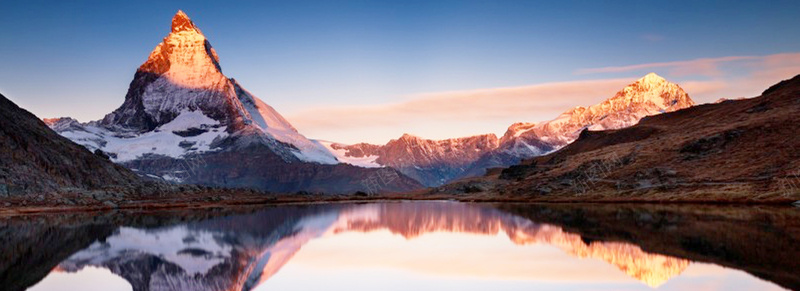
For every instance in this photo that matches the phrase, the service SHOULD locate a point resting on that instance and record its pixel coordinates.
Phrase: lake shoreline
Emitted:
(227, 199)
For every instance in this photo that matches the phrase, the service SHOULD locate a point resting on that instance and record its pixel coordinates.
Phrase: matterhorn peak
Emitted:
(181, 22)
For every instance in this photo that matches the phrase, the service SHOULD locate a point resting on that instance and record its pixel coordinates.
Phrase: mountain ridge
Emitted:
(422, 159)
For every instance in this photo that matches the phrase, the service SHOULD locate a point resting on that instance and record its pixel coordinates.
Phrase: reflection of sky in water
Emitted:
(446, 261)
(408, 246)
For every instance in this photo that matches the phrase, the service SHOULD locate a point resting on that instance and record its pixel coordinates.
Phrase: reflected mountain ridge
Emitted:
(240, 251)
(190, 258)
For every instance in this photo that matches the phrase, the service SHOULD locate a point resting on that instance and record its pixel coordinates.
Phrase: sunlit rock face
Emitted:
(211, 256)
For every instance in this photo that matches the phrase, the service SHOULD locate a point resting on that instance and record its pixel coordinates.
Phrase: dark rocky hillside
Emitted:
(34, 160)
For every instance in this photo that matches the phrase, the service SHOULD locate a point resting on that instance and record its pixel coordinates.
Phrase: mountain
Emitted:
(434, 163)
(431, 162)
(37, 164)
(184, 121)
(733, 151)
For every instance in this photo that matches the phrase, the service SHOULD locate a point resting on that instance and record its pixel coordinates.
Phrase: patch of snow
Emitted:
(170, 178)
(161, 141)
(189, 119)
(275, 125)
(341, 155)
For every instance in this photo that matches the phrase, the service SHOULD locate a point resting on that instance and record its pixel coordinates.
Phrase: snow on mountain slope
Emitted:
(343, 155)
(274, 124)
(191, 132)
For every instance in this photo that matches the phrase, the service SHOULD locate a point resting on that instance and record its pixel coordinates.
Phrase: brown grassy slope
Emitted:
(734, 151)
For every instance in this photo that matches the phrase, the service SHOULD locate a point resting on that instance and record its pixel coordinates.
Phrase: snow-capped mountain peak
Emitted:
(181, 82)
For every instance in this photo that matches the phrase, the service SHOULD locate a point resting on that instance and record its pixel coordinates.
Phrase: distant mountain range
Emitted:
(434, 163)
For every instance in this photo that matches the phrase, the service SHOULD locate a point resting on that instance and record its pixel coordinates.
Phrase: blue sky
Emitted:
(76, 58)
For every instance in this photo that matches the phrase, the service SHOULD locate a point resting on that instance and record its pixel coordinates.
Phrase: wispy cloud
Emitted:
(704, 66)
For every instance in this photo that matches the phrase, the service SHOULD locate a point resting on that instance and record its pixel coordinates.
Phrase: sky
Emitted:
(369, 71)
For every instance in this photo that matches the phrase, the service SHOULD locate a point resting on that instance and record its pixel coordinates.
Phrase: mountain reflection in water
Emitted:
(241, 249)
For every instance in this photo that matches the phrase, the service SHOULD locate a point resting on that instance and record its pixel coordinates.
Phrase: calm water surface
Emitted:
(407, 246)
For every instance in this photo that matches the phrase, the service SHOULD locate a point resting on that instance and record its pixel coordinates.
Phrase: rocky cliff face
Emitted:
(35, 162)
(184, 121)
